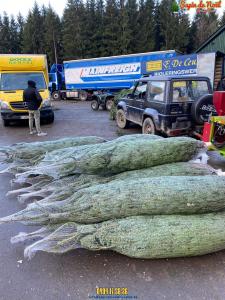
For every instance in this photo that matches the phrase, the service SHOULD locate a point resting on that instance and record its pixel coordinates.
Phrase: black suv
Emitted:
(169, 105)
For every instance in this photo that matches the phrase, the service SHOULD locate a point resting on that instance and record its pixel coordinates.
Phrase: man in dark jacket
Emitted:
(221, 84)
(33, 100)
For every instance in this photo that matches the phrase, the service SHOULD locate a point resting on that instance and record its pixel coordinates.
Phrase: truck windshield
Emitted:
(18, 81)
(52, 77)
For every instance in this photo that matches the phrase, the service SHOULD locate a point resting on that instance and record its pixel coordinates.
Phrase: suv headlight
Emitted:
(46, 102)
(4, 105)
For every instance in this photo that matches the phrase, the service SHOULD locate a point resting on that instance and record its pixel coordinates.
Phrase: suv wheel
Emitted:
(94, 104)
(109, 104)
(121, 120)
(148, 126)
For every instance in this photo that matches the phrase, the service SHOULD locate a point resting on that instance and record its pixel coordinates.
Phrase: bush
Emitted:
(117, 98)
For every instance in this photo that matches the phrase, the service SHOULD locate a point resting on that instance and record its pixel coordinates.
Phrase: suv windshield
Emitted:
(189, 90)
(18, 81)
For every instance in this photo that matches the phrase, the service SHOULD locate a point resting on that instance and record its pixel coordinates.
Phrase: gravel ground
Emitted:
(77, 274)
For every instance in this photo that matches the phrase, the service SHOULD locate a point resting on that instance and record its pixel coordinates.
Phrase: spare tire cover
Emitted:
(202, 109)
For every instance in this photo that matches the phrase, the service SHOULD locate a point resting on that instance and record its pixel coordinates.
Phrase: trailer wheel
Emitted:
(83, 96)
(94, 105)
(56, 95)
(109, 104)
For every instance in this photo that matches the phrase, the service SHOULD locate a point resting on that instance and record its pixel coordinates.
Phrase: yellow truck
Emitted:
(15, 71)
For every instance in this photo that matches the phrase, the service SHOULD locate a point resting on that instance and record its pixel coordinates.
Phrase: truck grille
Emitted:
(19, 105)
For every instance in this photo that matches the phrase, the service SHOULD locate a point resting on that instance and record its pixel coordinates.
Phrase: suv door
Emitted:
(156, 96)
(135, 111)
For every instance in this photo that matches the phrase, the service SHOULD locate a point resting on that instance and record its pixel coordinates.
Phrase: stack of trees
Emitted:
(95, 28)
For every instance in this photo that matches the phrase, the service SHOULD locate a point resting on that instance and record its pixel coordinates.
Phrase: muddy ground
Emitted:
(77, 274)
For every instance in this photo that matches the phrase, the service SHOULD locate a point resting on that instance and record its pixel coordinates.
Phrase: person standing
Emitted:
(221, 84)
(33, 99)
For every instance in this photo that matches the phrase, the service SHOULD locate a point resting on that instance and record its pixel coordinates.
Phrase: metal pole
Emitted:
(55, 50)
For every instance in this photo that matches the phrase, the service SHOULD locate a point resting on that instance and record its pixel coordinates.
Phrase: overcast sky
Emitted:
(16, 6)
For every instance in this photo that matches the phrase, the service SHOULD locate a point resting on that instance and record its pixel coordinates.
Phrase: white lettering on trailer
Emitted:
(174, 73)
(118, 69)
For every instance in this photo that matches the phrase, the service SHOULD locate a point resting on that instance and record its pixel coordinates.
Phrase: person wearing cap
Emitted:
(33, 100)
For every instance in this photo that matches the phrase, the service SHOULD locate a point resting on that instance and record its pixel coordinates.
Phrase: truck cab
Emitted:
(15, 71)
(56, 81)
(167, 105)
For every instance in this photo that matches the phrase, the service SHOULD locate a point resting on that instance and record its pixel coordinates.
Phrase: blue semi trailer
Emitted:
(79, 79)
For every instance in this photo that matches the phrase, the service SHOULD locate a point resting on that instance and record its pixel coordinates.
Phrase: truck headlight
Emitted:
(4, 105)
(46, 102)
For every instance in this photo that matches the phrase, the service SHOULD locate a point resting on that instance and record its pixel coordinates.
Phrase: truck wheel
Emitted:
(83, 96)
(109, 104)
(56, 95)
(51, 119)
(94, 105)
(6, 123)
(121, 120)
(202, 109)
(148, 126)
(48, 120)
